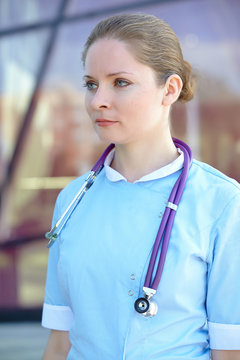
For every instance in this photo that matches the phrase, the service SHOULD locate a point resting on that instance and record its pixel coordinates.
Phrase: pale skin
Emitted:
(124, 91)
(129, 108)
(58, 346)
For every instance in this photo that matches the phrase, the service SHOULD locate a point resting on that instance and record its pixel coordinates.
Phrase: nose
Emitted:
(100, 99)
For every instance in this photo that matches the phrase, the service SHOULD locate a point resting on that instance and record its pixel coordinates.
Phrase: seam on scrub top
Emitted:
(218, 174)
(216, 222)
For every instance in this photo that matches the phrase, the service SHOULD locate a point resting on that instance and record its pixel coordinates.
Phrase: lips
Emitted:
(105, 122)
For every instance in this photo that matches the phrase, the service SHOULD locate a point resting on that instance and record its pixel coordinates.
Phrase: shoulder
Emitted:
(209, 192)
(67, 194)
(214, 174)
(213, 181)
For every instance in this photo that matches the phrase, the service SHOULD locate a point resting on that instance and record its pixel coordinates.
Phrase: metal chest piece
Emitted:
(144, 305)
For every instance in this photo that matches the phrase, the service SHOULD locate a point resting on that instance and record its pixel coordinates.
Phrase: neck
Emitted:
(136, 160)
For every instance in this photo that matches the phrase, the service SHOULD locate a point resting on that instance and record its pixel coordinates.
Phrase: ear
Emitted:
(172, 88)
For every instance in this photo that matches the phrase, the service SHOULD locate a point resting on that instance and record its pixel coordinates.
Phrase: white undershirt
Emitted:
(114, 175)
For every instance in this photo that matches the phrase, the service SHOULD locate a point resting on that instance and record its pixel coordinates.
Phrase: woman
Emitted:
(97, 267)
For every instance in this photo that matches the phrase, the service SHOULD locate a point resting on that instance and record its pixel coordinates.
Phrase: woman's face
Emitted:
(123, 99)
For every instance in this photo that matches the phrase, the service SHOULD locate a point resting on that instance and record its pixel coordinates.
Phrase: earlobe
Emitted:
(173, 89)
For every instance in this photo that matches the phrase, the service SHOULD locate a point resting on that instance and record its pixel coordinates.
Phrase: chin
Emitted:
(108, 138)
(114, 137)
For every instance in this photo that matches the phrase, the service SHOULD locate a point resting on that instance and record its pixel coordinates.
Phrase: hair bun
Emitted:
(188, 88)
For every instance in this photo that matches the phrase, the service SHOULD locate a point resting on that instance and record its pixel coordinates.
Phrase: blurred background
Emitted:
(46, 139)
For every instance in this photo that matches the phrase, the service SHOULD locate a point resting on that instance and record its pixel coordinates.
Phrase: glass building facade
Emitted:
(46, 138)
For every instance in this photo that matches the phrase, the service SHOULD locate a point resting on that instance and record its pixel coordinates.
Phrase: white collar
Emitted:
(166, 170)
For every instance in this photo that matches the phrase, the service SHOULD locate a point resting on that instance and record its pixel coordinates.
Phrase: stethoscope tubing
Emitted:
(165, 228)
(164, 231)
(55, 231)
(100, 163)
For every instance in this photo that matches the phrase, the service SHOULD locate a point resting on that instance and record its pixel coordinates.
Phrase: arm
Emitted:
(223, 306)
(225, 354)
(58, 346)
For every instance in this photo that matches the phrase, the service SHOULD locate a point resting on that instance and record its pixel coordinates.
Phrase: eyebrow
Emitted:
(110, 75)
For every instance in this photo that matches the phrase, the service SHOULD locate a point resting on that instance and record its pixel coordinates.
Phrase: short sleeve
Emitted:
(57, 315)
(223, 293)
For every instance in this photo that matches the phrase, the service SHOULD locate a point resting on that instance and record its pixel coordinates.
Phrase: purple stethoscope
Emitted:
(143, 305)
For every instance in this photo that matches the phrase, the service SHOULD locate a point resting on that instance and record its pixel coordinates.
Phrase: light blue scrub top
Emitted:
(98, 266)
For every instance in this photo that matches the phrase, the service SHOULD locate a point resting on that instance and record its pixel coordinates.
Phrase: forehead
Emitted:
(111, 55)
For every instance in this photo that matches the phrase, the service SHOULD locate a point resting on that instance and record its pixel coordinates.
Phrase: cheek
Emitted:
(139, 105)
(87, 102)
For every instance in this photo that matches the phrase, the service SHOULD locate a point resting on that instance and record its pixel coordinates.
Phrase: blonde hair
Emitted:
(153, 43)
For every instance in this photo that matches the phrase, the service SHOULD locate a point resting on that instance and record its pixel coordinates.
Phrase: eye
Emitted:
(121, 83)
(90, 85)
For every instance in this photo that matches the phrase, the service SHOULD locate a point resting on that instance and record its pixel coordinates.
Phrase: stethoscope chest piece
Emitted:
(144, 305)
(152, 311)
